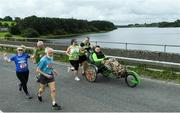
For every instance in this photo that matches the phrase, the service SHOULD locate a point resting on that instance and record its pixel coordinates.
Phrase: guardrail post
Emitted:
(126, 45)
(172, 71)
(165, 48)
(96, 43)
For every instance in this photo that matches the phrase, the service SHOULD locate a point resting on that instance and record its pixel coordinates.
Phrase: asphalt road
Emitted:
(106, 95)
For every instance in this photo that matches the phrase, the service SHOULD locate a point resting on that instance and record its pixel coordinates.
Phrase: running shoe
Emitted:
(20, 87)
(39, 98)
(56, 107)
(77, 78)
(29, 96)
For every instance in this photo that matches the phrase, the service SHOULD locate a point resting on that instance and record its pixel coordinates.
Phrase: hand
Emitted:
(102, 61)
(6, 57)
(34, 62)
(55, 73)
(48, 76)
(4, 54)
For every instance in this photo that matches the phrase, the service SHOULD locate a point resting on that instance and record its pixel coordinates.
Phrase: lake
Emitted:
(162, 36)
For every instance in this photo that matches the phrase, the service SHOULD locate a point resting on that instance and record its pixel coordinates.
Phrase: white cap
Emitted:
(21, 47)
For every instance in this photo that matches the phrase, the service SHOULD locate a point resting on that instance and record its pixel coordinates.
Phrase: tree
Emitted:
(45, 25)
(7, 18)
(15, 30)
(6, 25)
(17, 19)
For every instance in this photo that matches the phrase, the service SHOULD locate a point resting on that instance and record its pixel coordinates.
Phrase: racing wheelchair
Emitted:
(92, 71)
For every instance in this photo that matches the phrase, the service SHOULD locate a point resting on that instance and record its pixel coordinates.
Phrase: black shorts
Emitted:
(44, 80)
(75, 64)
(82, 59)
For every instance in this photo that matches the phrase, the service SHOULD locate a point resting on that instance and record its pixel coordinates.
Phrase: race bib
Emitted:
(23, 65)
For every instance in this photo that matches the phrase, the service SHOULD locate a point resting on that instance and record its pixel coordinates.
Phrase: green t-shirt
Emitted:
(39, 53)
(74, 53)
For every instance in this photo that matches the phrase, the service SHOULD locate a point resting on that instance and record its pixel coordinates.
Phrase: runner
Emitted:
(73, 53)
(83, 57)
(22, 71)
(47, 72)
(87, 44)
(39, 52)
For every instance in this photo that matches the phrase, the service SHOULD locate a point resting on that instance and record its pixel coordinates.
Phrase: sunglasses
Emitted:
(20, 50)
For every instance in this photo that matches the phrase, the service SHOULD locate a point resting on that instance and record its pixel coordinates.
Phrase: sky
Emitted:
(120, 12)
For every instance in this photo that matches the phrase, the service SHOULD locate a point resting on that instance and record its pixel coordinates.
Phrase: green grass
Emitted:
(166, 74)
(14, 36)
(2, 35)
(8, 22)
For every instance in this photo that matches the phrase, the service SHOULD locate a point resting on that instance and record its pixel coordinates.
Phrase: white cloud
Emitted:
(117, 11)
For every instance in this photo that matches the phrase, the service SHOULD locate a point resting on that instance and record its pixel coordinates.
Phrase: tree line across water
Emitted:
(34, 26)
(159, 24)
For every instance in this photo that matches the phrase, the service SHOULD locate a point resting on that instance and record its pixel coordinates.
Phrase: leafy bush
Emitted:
(8, 35)
(29, 32)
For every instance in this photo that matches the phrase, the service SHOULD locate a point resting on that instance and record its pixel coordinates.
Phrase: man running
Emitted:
(87, 44)
(38, 53)
(47, 72)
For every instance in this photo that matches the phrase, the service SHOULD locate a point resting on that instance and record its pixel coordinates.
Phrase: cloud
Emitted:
(117, 11)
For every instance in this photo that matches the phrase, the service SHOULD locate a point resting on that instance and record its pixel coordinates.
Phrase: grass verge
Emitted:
(166, 74)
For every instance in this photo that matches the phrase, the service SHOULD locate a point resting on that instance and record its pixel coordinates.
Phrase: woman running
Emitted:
(73, 53)
(22, 71)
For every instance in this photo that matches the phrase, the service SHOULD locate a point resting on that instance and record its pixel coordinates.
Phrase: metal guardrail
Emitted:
(135, 60)
(126, 44)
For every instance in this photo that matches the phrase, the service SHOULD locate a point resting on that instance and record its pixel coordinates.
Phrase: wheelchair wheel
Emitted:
(131, 79)
(91, 73)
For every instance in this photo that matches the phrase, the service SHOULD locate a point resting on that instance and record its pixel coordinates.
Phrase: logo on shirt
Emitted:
(50, 65)
(22, 64)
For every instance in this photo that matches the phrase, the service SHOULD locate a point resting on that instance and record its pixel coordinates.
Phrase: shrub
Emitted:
(29, 32)
(8, 35)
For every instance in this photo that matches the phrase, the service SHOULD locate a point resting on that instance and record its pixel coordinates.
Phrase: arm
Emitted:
(96, 59)
(33, 56)
(38, 70)
(55, 72)
(68, 51)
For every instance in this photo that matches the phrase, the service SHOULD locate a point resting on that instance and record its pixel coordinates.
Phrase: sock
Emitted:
(53, 102)
(39, 94)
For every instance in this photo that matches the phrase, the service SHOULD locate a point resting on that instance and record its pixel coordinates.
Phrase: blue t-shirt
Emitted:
(21, 62)
(46, 65)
